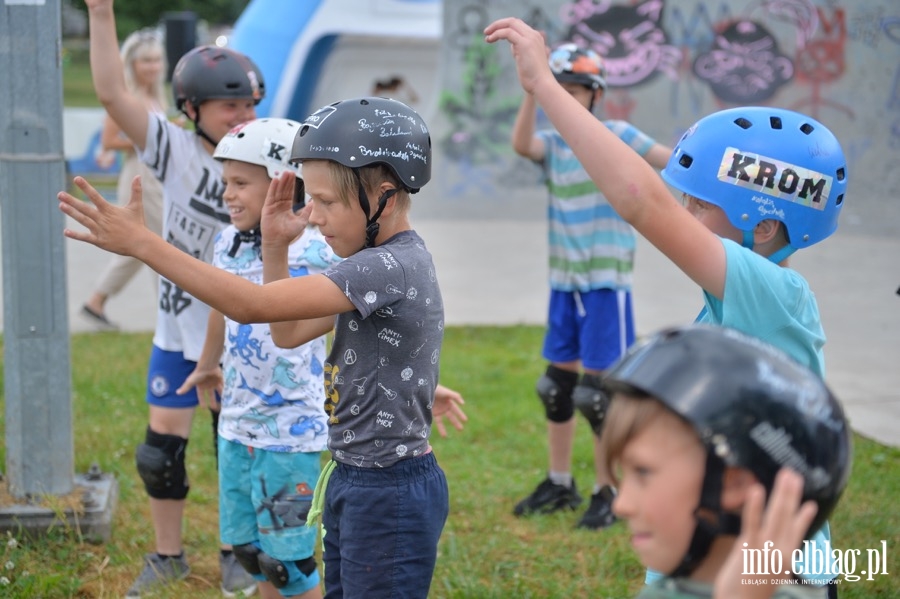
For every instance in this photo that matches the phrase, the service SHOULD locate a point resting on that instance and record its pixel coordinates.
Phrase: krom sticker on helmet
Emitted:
(776, 178)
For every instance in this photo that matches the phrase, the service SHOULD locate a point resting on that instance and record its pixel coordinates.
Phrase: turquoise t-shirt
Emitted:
(774, 304)
(769, 302)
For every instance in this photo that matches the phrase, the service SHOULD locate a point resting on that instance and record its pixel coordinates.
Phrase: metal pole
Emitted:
(39, 445)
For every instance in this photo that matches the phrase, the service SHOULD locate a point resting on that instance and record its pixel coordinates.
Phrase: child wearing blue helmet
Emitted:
(757, 184)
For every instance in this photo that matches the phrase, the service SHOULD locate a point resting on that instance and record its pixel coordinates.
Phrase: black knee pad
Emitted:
(592, 401)
(247, 556)
(281, 574)
(160, 463)
(555, 390)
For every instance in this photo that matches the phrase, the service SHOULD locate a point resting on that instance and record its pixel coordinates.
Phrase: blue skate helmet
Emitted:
(759, 163)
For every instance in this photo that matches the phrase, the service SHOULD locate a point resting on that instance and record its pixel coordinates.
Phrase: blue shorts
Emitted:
(381, 528)
(595, 327)
(165, 374)
(264, 497)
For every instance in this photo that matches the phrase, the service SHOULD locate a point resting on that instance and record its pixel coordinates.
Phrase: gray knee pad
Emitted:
(592, 401)
(160, 463)
(555, 390)
(295, 576)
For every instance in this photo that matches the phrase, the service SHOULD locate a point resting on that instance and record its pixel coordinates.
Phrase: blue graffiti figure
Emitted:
(245, 346)
(307, 424)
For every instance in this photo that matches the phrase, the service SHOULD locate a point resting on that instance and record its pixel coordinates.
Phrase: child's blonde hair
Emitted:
(135, 45)
(371, 177)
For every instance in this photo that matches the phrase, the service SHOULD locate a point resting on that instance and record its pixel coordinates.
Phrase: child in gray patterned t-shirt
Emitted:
(385, 497)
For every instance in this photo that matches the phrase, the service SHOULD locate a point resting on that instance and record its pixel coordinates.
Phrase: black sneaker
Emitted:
(548, 497)
(599, 513)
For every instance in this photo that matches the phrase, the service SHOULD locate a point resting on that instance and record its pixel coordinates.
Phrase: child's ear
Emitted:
(766, 231)
(735, 484)
(190, 110)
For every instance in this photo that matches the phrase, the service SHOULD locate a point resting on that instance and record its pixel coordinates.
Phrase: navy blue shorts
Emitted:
(381, 528)
(595, 327)
(167, 371)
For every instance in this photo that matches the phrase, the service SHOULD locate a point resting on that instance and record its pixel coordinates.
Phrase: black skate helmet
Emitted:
(571, 63)
(364, 132)
(210, 72)
(752, 406)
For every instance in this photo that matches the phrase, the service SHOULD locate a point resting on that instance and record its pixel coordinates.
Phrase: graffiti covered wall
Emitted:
(670, 63)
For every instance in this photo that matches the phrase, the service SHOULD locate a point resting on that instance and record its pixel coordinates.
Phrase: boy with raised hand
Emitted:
(705, 422)
(272, 424)
(590, 322)
(217, 89)
(757, 184)
(362, 159)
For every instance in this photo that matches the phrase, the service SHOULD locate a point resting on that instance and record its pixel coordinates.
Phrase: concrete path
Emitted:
(494, 273)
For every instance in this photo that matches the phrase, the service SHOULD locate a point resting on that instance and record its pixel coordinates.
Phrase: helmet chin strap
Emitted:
(777, 257)
(198, 129)
(711, 520)
(372, 226)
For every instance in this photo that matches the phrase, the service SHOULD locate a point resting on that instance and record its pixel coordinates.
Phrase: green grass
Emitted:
(484, 553)
(78, 89)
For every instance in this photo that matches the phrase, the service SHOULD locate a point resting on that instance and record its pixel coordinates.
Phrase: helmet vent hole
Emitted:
(233, 85)
(743, 123)
(775, 122)
(841, 174)
(364, 102)
(807, 128)
(686, 161)
(840, 200)
(303, 130)
(240, 135)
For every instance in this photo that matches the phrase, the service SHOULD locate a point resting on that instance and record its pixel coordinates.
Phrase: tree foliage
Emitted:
(135, 14)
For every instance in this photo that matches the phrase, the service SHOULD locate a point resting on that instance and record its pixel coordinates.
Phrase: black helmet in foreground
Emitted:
(751, 405)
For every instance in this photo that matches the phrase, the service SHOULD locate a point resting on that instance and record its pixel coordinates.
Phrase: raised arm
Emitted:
(108, 74)
(120, 229)
(280, 226)
(112, 137)
(523, 140)
(632, 187)
(658, 156)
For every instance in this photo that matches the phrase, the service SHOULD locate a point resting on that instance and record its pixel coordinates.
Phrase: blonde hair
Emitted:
(346, 183)
(627, 417)
(136, 44)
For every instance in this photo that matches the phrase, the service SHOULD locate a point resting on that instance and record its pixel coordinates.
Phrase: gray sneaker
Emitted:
(158, 572)
(235, 580)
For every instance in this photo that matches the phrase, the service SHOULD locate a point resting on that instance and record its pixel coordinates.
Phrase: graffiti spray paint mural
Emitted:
(671, 62)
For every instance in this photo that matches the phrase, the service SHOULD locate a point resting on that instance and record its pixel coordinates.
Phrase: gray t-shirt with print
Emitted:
(383, 367)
